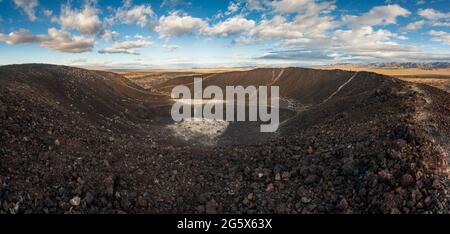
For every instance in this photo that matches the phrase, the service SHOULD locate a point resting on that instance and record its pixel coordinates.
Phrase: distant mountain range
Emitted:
(435, 65)
(398, 65)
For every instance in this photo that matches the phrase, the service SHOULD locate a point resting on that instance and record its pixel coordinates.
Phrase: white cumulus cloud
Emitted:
(22, 36)
(177, 24)
(432, 14)
(57, 40)
(440, 36)
(28, 6)
(413, 26)
(379, 15)
(85, 20)
(62, 41)
(309, 7)
(130, 14)
(233, 25)
(436, 18)
(126, 47)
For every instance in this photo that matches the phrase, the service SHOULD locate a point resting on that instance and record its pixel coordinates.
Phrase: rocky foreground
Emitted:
(80, 143)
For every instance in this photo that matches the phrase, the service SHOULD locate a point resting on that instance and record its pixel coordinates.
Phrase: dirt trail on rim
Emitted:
(424, 118)
(276, 79)
(325, 101)
(340, 88)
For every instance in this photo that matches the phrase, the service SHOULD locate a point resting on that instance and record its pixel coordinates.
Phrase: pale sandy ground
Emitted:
(172, 73)
(206, 131)
(439, 78)
(192, 70)
(393, 72)
(150, 77)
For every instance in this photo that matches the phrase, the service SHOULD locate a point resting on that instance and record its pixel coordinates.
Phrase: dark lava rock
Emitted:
(211, 207)
(407, 180)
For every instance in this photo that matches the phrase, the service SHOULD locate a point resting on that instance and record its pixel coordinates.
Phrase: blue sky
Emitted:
(194, 33)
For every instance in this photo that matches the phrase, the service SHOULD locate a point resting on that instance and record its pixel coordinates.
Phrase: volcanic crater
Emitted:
(80, 141)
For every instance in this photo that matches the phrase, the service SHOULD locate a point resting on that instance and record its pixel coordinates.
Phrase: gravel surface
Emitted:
(75, 141)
